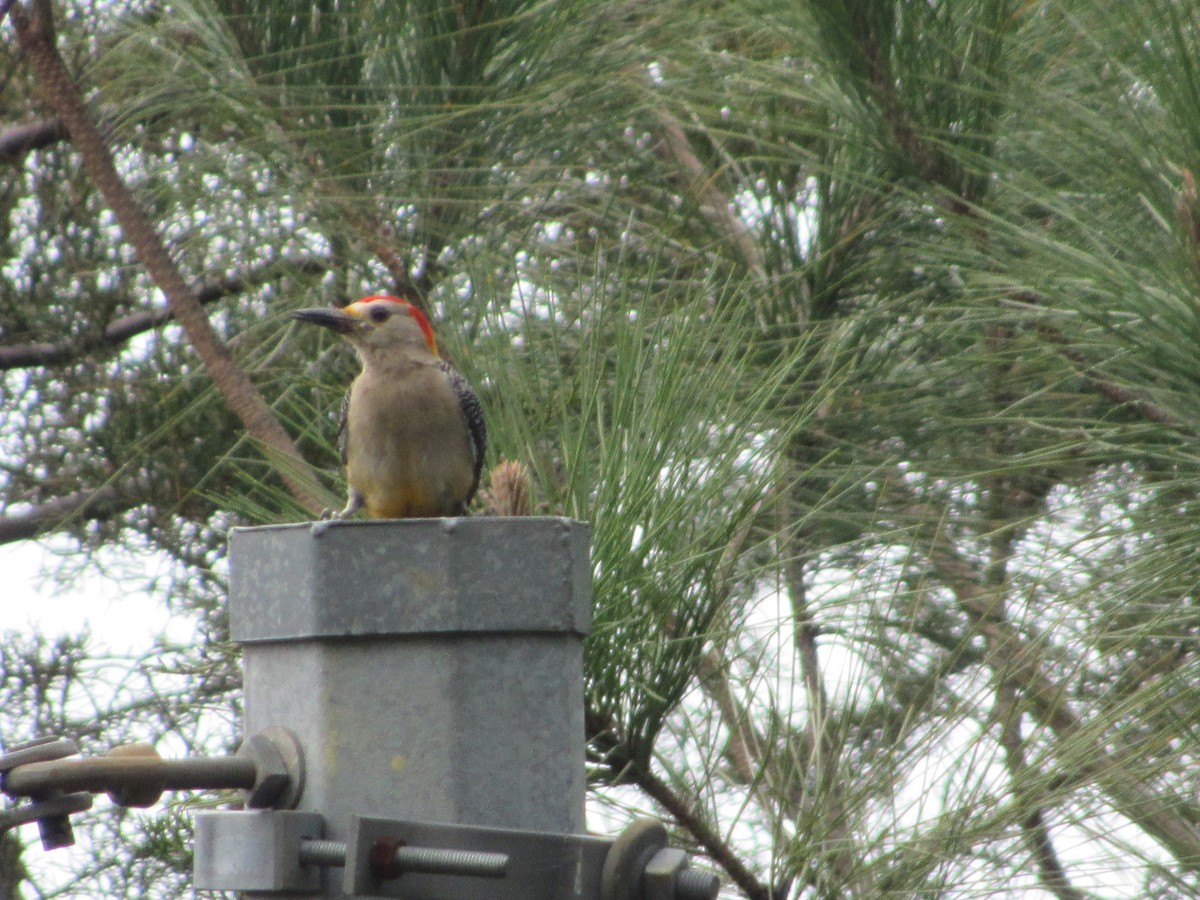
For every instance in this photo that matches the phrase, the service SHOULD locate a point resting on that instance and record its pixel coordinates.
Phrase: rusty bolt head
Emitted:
(383, 857)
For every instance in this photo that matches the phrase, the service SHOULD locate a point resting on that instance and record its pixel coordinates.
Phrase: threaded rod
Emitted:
(427, 860)
(322, 853)
(696, 884)
(433, 861)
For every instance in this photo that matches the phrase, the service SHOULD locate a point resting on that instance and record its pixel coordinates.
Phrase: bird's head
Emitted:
(379, 322)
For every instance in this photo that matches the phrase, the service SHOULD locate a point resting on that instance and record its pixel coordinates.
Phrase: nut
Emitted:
(661, 874)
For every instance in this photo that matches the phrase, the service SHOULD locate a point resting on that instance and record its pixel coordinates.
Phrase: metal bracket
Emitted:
(50, 808)
(255, 850)
(540, 864)
(280, 851)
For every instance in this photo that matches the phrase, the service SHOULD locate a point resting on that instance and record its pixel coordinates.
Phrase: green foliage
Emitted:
(863, 333)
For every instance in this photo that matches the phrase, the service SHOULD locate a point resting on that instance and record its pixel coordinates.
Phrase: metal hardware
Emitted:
(269, 768)
(133, 773)
(376, 653)
(38, 750)
(317, 852)
(52, 816)
(50, 808)
(640, 866)
(255, 851)
(540, 864)
(391, 858)
(696, 884)
(278, 768)
(667, 877)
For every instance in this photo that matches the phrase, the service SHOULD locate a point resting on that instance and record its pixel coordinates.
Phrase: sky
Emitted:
(119, 612)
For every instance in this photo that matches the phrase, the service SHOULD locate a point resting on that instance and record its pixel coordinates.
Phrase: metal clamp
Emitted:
(269, 851)
(50, 808)
(269, 769)
(283, 851)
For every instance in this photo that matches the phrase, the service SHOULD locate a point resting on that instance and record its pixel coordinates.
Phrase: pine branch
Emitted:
(1105, 386)
(837, 843)
(716, 208)
(619, 759)
(98, 505)
(1006, 710)
(18, 141)
(1000, 508)
(746, 749)
(1018, 661)
(120, 330)
(687, 817)
(36, 40)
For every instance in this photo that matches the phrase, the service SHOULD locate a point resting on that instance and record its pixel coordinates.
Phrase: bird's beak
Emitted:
(335, 319)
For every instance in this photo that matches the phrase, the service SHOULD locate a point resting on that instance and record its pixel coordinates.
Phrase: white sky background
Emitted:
(121, 616)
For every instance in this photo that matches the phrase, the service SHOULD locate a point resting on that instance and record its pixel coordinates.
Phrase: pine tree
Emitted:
(862, 331)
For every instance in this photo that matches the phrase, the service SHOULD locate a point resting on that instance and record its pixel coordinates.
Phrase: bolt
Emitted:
(667, 877)
(433, 861)
(660, 874)
(629, 859)
(278, 760)
(391, 858)
(322, 853)
(695, 884)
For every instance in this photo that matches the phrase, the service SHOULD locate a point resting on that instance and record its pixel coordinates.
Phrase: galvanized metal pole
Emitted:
(432, 669)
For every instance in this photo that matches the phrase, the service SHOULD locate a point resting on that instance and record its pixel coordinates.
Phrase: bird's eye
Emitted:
(380, 313)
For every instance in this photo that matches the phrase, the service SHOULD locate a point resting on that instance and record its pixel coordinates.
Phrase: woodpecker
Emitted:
(412, 433)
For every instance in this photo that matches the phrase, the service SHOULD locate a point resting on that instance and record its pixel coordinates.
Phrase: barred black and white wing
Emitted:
(472, 413)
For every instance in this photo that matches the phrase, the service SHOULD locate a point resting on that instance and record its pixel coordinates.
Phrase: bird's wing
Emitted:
(473, 418)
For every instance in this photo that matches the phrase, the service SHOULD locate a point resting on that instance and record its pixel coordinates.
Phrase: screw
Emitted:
(322, 853)
(391, 858)
(696, 884)
(666, 876)
(452, 862)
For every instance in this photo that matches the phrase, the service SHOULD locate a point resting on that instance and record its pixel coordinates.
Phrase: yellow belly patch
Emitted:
(411, 503)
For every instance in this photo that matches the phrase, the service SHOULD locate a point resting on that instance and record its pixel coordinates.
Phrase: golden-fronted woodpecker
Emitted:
(412, 433)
